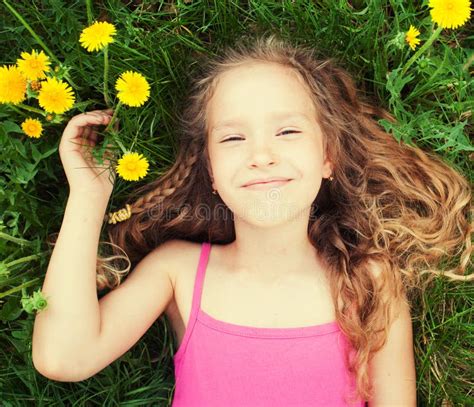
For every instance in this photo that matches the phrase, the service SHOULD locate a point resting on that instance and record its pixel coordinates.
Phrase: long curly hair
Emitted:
(390, 203)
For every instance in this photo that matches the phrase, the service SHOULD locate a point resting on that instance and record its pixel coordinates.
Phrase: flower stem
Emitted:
(110, 129)
(19, 288)
(23, 260)
(31, 109)
(106, 76)
(13, 239)
(89, 11)
(420, 51)
(114, 116)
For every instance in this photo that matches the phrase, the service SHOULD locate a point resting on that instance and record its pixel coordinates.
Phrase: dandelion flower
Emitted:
(55, 96)
(412, 37)
(132, 166)
(133, 88)
(34, 65)
(12, 85)
(32, 127)
(450, 13)
(97, 36)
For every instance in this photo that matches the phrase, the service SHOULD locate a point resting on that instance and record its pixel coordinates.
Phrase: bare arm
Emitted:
(77, 335)
(126, 313)
(392, 369)
(72, 317)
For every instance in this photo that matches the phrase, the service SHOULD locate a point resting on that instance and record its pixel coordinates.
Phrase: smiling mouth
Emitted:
(265, 185)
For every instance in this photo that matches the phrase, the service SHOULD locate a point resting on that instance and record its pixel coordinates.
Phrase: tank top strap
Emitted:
(199, 279)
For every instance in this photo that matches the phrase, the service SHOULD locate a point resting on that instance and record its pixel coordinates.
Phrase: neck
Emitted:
(272, 252)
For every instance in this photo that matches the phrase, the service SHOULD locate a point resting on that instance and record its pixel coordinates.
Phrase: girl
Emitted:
(282, 244)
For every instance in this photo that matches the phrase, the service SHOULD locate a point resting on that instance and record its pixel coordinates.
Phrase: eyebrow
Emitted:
(275, 115)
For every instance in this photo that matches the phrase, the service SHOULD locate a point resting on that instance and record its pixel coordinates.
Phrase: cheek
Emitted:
(224, 169)
(310, 167)
(308, 158)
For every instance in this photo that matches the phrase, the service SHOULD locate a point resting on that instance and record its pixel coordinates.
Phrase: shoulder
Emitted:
(177, 255)
(392, 368)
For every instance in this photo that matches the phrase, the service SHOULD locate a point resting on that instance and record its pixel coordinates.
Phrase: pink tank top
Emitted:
(224, 364)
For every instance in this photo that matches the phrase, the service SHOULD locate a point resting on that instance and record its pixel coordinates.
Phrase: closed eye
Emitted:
(289, 131)
(238, 138)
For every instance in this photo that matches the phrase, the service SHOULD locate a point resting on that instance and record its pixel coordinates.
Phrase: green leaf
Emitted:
(10, 127)
(10, 311)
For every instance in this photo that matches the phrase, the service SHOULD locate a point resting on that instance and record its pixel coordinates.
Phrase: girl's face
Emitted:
(261, 124)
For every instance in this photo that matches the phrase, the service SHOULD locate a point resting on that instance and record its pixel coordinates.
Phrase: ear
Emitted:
(212, 182)
(209, 171)
(327, 169)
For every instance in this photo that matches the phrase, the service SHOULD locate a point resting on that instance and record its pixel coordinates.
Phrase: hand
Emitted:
(83, 172)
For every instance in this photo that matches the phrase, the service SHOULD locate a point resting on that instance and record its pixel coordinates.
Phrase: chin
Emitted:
(269, 215)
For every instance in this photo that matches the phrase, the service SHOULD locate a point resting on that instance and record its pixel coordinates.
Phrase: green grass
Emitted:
(433, 103)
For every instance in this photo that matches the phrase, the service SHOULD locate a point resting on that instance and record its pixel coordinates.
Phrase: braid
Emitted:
(165, 188)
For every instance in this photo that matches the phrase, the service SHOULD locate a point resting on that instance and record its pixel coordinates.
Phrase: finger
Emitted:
(85, 140)
(75, 127)
(86, 133)
(93, 135)
(90, 118)
(93, 138)
(107, 113)
(81, 131)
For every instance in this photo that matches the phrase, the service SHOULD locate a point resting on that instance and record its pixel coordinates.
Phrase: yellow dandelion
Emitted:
(450, 13)
(55, 96)
(411, 37)
(34, 65)
(12, 85)
(32, 127)
(97, 36)
(132, 166)
(133, 88)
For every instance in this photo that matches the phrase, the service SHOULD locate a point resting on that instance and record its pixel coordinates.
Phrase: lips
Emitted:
(265, 181)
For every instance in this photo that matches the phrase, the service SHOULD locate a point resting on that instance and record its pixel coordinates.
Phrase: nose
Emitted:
(261, 155)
